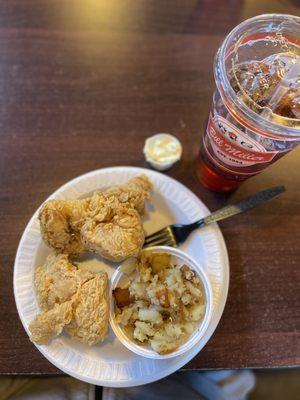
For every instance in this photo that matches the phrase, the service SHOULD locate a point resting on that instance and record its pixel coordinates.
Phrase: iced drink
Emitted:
(255, 116)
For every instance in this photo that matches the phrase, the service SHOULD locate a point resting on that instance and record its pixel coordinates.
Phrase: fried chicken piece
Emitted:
(49, 324)
(133, 193)
(60, 223)
(107, 223)
(70, 296)
(57, 281)
(91, 311)
(116, 232)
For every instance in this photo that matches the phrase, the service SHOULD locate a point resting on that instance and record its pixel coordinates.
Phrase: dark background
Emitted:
(82, 84)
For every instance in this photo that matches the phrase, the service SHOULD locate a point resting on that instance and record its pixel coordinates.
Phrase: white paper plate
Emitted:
(110, 363)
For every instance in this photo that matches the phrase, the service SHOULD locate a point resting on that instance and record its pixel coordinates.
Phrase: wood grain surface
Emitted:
(82, 84)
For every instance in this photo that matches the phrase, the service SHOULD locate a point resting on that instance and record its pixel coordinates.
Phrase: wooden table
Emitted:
(82, 84)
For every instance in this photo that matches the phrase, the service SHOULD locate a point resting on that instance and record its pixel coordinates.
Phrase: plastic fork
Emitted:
(175, 234)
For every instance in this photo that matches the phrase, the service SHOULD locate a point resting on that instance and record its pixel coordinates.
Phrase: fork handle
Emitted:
(241, 206)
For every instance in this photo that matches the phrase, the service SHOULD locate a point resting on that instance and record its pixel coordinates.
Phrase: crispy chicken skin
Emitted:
(133, 193)
(113, 230)
(108, 223)
(60, 223)
(58, 281)
(91, 302)
(70, 296)
(48, 324)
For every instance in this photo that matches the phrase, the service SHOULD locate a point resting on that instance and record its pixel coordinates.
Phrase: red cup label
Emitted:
(233, 147)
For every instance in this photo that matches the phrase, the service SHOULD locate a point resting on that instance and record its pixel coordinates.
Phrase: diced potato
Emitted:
(195, 291)
(144, 268)
(161, 336)
(152, 289)
(196, 281)
(146, 274)
(139, 334)
(173, 298)
(183, 311)
(187, 272)
(174, 330)
(138, 290)
(197, 312)
(160, 261)
(134, 315)
(125, 315)
(189, 327)
(150, 315)
(122, 297)
(174, 280)
(186, 298)
(143, 331)
(147, 328)
(118, 318)
(162, 296)
(170, 280)
(144, 261)
(163, 347)
(142, 303)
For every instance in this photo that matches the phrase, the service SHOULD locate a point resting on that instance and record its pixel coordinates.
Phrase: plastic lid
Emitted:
(262, 66)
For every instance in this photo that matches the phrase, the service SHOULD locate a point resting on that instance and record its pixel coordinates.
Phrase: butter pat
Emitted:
(162, 151)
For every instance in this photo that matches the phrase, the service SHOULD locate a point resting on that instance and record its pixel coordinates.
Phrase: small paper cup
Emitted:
(146, 350)
(161, 165)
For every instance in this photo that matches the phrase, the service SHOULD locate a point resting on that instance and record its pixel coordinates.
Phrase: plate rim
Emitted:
(186, 357)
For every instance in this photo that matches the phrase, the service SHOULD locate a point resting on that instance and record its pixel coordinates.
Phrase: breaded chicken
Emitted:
(107, 223)
(57, 281)
(67, 294)
(60, 223)
(91, 311)
(113, 230)
(133, 193)
(49, 324)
